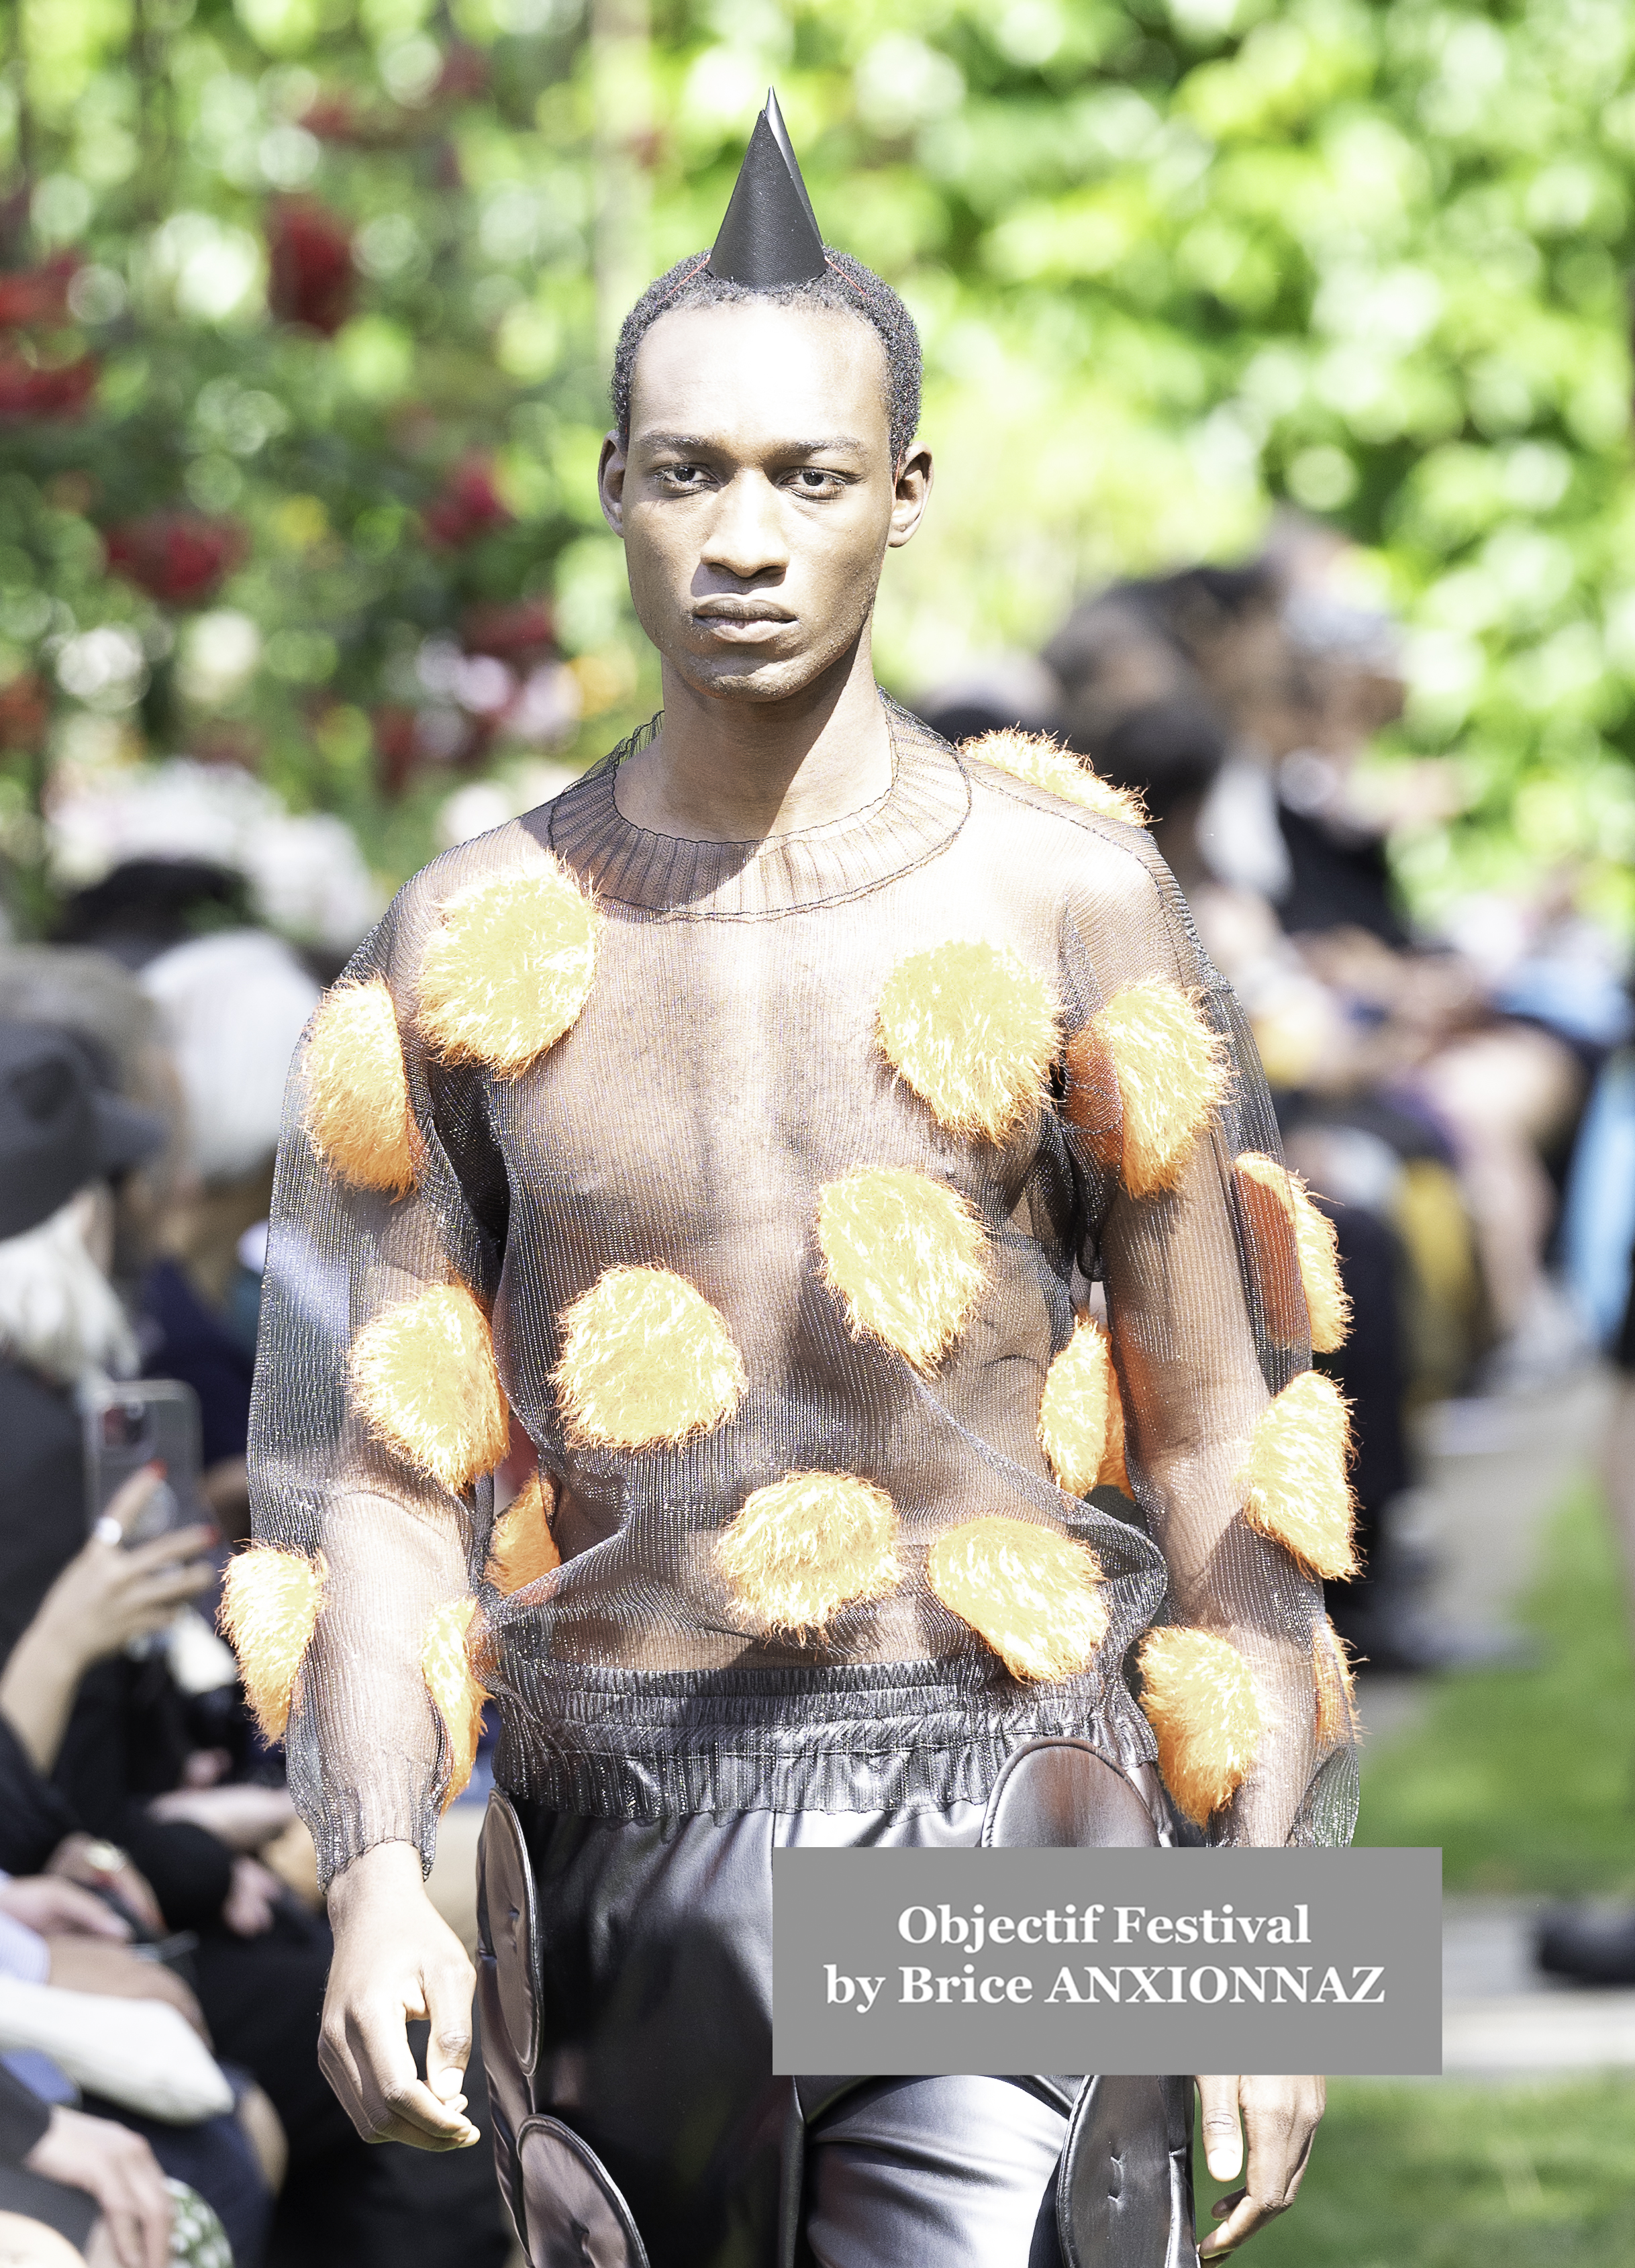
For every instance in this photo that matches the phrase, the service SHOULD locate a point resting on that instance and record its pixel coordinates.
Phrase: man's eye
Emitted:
(811, 480)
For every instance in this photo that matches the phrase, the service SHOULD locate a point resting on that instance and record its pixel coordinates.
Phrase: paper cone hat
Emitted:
(771, 234)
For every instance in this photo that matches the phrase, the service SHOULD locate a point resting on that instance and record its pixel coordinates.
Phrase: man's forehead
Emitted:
(748, 366)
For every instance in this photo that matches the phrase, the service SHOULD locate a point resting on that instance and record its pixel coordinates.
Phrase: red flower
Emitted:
(331, 117)
(24, 711)
(394, 746)
(520, 634)
(179, 558)
(465, 73)
(310, 249)
(467, 506)
(62, 390)
(37, 295)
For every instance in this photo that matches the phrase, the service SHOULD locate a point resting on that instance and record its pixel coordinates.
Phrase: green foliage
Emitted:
(1172, 264)
(1445, 2174)
(1527, 1777)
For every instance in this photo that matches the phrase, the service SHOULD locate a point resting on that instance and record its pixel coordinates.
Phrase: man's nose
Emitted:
(746, 537)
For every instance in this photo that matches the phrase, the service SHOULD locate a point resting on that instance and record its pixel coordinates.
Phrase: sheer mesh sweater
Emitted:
(769, 1188)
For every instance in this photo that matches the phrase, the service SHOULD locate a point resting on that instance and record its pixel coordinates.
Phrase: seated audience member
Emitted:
(106, 1748)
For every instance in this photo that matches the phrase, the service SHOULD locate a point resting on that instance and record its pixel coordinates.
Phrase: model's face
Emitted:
(757, 498)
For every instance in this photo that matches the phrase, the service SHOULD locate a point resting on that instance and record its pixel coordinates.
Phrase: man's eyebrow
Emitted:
(700, 445)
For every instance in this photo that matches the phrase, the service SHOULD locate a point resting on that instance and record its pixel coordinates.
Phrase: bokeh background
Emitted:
(306, 326)
(305, 308)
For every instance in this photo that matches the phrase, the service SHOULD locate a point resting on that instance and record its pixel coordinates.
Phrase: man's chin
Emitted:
(744, 676)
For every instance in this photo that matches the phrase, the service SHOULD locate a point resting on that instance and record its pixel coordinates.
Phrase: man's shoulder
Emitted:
(513, 850)
(1032, 799)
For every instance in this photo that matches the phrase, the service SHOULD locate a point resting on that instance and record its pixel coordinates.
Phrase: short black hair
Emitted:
(848, 285)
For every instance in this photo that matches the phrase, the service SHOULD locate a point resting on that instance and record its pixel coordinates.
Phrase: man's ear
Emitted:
(912, 494)
(610, 483)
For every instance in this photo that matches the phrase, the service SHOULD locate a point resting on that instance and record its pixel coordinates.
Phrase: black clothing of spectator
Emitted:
(181, 1337)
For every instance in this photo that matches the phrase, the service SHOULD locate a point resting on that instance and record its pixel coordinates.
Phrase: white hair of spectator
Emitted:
(58, 1313)
(231, 1007)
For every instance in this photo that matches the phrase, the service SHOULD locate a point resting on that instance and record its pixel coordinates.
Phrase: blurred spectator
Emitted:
(145, 1762)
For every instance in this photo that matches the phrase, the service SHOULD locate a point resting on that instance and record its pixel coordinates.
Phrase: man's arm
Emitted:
(378, 1417)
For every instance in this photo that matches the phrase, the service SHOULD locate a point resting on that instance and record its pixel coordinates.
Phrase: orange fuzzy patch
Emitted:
(1114, 1472)
(1332, 1673)
(1093, 1105)
(522, 1548)
(973, 1030)
(456, 1696)
(1073, 1412)
(1034, 758)
(1199, 1698)
(1031, 1592)
(357, 1091)
(1277, 1208)
(1294, 1484)
(1170, 1069)
(807, 1545)
(509, 969)
(268, 1611)
(646, 1359)
(425, 1383)
(902, 1255)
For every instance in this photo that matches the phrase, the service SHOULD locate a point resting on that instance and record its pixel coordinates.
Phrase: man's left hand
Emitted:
(1280, 2116)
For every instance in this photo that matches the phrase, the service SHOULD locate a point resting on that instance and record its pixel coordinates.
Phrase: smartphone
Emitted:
(130, 1423)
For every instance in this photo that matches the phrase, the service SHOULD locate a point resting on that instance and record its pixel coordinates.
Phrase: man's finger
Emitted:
(1223, 2138)
(392, 2090)
(448, 2043)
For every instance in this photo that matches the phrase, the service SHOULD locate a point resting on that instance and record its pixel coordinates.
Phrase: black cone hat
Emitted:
(771, 234)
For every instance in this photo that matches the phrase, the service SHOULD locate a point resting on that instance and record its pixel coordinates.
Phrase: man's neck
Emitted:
(732, 770)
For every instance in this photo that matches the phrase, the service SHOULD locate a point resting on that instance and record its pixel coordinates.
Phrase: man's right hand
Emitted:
(396, 1962)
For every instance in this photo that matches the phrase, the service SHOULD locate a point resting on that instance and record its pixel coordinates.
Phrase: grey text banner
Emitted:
(917, 1961)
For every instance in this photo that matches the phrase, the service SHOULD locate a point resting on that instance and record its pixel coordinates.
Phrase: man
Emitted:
(750, 1114)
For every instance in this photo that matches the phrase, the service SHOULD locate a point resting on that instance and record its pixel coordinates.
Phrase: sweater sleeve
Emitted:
(1218, 1273)
(24, 2119)
(377, 1418)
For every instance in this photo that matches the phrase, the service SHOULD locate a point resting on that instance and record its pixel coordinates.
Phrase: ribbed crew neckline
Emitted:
(918, 815)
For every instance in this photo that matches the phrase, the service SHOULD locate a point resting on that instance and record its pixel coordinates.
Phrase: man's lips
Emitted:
(736, 614)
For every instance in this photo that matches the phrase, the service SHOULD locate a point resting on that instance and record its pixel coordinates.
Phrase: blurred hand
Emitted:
(243, 1818)
(396, 1960)
(105, 1597)
(56, 1908)
(101, 1866)
(80, 1964)
(252, 1897)
(117, 2168)
(1280, 2117)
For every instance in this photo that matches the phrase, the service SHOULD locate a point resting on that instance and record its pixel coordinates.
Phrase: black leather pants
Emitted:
(625, 1998)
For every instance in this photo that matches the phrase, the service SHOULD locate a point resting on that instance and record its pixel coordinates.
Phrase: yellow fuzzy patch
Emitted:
(522, 1548)
(646, 1359)
(1170, 1069)
(1199, 1698)
(268, 1611)
(807, 1545)
(509, 969)
(456, 1696)
(1034, 758)
(425, 1384)
(1278, 1207)
(1294, 1484)
(973, 1030)
(903, 1256)
(1332, 1673)
(356, 1092)
(1072, 1414)
(1029, 1592)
